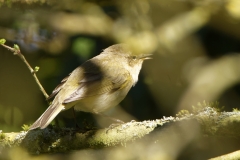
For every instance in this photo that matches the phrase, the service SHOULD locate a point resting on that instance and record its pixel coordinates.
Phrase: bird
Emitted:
(97, 85)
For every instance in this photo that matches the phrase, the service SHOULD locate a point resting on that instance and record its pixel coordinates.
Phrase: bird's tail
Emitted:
(47, 116)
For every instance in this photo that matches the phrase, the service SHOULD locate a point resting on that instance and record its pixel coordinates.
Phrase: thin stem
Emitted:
(19, 54)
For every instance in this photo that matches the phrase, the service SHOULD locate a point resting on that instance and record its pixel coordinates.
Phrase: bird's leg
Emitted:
(74, 115)
(86, 127)
(113, 119)
(119, 122)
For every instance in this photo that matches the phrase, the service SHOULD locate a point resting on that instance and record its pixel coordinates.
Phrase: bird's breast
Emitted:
(102, 102)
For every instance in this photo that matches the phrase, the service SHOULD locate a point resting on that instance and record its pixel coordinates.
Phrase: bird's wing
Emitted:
(95, 82)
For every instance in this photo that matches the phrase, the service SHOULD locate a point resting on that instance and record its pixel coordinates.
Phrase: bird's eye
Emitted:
(134, 57)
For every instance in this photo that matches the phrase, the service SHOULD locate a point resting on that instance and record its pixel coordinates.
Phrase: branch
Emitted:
(52, 140)
(233, 155)
(60, 140)
(16, 51)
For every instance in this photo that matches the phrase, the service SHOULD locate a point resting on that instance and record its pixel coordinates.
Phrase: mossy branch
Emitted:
(52, 140)
(59, 140)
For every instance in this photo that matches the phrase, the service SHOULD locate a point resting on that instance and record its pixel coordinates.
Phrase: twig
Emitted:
(16, 51)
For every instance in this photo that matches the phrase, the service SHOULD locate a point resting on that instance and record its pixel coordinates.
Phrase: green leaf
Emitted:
(2, 41)
(15, 46)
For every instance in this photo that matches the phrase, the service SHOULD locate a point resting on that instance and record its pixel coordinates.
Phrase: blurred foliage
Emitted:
(83, 47)
(195, 44)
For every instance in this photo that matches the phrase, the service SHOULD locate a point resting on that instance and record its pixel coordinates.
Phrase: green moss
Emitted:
(200, 106)
(2, 136)
(25, 127)
(236, 110)
(183, 113)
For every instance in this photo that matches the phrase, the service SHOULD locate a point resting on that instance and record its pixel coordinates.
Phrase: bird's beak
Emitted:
(145, 56)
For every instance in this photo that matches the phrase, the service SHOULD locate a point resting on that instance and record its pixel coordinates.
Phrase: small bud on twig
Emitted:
(16, 49)
(2, 41)
(36, 69)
